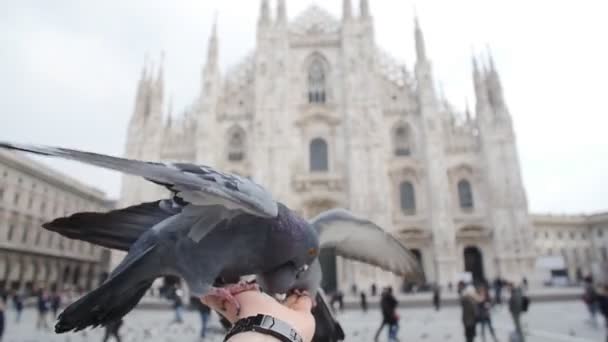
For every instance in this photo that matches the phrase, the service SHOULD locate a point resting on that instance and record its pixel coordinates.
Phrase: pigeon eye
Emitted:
(312, 251)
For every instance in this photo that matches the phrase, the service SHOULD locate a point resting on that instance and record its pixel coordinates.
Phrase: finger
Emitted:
(302, 303)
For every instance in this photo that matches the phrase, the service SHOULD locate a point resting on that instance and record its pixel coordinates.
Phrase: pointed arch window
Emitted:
(236, 144)
(407, 198)
(319, 160)
(465, 194)
(401, 141)
(317, 82)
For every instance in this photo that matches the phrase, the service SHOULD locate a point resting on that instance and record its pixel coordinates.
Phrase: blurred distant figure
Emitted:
(468, 303)
(603, 306)
(353, 289)
(388, 306)
(204, 312)
(18, 304)
(450, 287)
(178, 304)
(483, 313)
(338, 296)
(363, 302)
(437, 297)
(2, 318)
(55, 303)
(498, 284)
(516, 307)
(460, 287)
(524, 284)
(374, 290)
(590, 297)
(43, 309)
(112, 330)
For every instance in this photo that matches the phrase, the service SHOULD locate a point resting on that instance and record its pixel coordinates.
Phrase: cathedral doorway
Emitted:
(327, 257)
(408, 285)
(473, 263)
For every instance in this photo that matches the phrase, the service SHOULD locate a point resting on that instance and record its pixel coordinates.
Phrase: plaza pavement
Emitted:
(556, 321)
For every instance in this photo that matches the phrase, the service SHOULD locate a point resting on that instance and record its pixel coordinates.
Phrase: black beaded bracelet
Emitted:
(265, 324)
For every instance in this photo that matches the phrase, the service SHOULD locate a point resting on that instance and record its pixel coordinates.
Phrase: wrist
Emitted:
(251, 336)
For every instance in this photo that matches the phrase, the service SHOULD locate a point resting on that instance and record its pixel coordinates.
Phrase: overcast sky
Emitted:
(68, 71)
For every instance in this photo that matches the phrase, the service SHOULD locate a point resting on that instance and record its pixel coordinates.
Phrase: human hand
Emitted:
(295, 311)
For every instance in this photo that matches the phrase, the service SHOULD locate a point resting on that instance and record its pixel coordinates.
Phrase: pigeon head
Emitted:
(303, 242)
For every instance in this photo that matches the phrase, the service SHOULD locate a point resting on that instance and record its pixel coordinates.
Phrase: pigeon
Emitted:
(213, 225)
(216, 226)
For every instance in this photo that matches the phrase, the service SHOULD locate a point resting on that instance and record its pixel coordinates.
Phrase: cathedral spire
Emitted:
(264, 18)
(419, 38)
(347, 9)
(364, 8)
(281, 12)
(212, 47)
(159, 84)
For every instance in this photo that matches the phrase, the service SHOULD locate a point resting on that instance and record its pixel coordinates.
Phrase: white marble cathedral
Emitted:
(323, 117)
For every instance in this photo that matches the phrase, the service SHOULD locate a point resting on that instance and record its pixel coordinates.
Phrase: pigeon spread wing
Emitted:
(362, 240)
(196, 184)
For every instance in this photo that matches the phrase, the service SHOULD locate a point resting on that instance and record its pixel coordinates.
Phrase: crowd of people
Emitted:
(477, 303)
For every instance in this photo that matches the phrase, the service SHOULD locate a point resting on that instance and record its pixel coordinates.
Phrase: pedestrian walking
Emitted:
(602, 300)
(516, 308)
(178, 305)
(590, 297)
(2, 318)
(484, 313)
(204, 312)
(498, 285)
(468, 303)
(55, 303)
(390, 318)
(43, 309)
(363, 301)
(18, 304)
(112, 329)
(374, 290)
(437, 297)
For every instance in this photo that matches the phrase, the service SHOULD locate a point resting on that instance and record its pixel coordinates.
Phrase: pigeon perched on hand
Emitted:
(215, 225)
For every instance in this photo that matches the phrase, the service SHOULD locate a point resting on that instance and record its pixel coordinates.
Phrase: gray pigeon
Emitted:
(215, 225)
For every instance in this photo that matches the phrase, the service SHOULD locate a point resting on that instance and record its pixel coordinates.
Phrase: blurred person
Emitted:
(484, 313)
(2, 317)
(204, 312)
(178, 305)
(388, 306)
(516, 308)
(18, 304)
(55, 302)
(363, 301)
(590, 297)
(437, 297)
(374, 290)
(469, 306)
(603, 306)
(112, 329)
(43, 309)
(498, 284)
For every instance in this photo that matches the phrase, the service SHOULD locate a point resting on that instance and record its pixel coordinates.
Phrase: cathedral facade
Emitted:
(323, 118)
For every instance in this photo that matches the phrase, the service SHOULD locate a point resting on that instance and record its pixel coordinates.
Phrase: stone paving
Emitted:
(546, 322)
